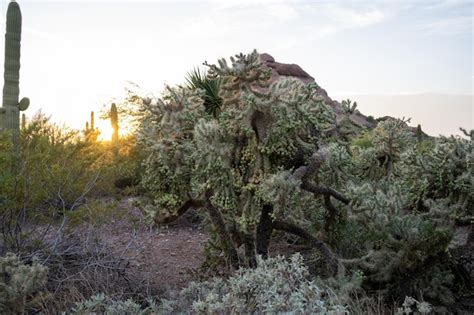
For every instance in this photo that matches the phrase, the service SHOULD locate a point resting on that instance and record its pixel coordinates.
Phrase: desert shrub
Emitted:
(55, 167)
(276, 285)
(51, 169)
(80, 263)
(21, 285)
(52, 189)
(118, 166)
(412, 306)
(54, 171)
(100, 304)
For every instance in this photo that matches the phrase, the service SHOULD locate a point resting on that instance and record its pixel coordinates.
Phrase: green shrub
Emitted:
(100, 304)
(277, 285)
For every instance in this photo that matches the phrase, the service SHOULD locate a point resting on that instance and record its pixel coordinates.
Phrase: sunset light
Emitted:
(105, 130)
(237, 157)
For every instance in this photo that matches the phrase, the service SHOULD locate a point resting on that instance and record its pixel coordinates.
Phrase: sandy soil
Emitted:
(167, 256)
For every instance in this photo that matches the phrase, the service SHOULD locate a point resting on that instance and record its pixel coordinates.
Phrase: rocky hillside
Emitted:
(348, 120)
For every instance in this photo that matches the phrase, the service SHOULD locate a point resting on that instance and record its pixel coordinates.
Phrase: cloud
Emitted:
(448, 4)
(351, 18)
(454, 25)
(336, 18)
(283, 12)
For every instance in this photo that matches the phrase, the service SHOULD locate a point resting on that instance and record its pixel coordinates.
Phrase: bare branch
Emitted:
(328, 255)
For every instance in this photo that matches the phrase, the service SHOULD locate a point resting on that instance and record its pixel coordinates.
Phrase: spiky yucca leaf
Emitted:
(197, 79)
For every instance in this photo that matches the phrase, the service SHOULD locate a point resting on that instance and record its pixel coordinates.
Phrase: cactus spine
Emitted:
(114, 122)
(10, 112)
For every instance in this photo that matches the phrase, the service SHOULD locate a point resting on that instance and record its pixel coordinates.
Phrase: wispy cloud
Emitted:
(453, 25)
(338, 17)
(448, 4)
(349, 18)
(283, 11)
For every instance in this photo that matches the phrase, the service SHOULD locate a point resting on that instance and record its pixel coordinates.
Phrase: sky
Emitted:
(79, 55)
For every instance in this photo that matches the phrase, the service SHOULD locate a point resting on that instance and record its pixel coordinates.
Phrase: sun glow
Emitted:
(105, 130)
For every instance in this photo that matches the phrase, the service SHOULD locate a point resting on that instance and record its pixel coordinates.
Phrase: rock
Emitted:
(283, 70)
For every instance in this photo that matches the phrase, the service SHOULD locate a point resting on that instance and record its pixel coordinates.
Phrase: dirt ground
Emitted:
(167, 255)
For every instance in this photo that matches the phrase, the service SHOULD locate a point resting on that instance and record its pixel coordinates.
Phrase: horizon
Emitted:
(79, 56)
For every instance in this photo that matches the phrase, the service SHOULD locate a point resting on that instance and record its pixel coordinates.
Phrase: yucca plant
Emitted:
(197, 79)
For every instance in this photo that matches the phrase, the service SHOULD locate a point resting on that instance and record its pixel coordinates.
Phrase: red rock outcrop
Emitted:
(282, 70)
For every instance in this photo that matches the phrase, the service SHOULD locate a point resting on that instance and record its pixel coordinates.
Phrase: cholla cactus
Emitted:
(389, 205)
(220, 162)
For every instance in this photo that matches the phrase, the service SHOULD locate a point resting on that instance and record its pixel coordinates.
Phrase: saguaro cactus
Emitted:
(91, 133)
(114, 122)
(10, 111)
(92, 120)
